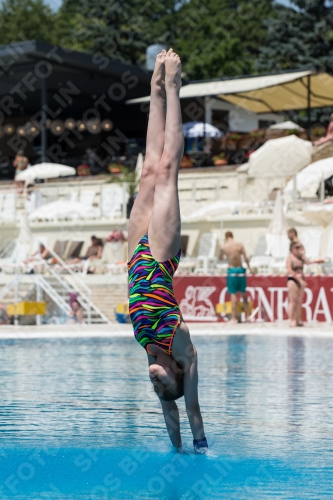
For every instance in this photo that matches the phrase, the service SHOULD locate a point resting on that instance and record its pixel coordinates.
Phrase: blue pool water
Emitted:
(79, 420)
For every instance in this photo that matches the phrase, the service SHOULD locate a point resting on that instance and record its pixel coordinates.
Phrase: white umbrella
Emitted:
(280, 157)
(319, 213)
(45, 171)
(200, 129)
(286, 126)
(63, 208)
(309, 179)
(215, 209)
(278, 224)
(25, 235)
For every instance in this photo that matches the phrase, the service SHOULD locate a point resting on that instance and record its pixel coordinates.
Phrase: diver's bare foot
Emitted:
(158, 78)
(292, 324)
(233, 321)
(173, 68)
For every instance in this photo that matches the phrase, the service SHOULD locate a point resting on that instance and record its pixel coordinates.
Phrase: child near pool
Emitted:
(154, 248)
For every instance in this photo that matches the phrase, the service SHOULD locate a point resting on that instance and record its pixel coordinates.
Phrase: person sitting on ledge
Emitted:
(94, 251)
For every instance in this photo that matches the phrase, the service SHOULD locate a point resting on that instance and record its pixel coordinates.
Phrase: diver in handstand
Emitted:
(154, 248)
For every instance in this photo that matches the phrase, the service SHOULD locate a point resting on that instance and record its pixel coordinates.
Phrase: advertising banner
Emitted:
(198, 295)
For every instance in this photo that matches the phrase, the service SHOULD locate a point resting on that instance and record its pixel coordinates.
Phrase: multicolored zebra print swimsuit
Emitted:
(153, 307)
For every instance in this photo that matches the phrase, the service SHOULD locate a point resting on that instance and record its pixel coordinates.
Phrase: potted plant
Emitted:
(116, 239)
(115, 168)
(220, 159)
(83, 170)
(234, 136)
(318, 131)
(257, 134)
(292, 131)
(233, 139)
(186, 162)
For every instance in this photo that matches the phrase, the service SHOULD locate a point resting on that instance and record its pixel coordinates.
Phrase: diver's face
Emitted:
(163, 379)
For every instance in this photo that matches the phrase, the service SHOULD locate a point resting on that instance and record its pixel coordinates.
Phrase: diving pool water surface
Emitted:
(79, 420)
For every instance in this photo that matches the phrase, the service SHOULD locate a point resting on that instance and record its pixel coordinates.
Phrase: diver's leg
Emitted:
(164, 228)
(292, 305)
(246, 306)
(301, 292)
(233, 297)
(143, 206)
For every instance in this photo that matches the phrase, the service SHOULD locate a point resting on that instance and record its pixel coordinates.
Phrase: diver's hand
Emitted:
(200, 445)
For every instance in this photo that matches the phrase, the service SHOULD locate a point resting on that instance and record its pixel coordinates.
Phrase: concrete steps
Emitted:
(106, 298)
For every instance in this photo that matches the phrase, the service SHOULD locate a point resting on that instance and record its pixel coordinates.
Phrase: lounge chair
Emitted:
(8, 213)
(112, 200)
(262, 264)
(311, 239)
(60, 247)
(206, 260)
(17, 258)
(74, 249)
(87, 197)
(328, 266)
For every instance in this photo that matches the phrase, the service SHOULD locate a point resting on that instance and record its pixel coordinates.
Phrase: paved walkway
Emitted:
(118, 330)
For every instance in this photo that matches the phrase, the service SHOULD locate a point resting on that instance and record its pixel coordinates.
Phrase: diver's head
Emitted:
(168, 381)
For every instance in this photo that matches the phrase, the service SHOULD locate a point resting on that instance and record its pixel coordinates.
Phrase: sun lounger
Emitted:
(8, 213)
(74, 249)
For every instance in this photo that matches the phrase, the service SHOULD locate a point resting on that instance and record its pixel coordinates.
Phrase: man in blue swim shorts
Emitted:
(236, 280)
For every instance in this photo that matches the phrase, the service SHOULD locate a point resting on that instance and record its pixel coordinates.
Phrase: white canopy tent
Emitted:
(280, 157)
(309, 179)
(265, 93)
(45, 171)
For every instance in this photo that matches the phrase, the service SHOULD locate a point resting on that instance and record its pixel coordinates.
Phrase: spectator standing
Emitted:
(236, 279)
(20, 163)
(296, 282)
(292, 235)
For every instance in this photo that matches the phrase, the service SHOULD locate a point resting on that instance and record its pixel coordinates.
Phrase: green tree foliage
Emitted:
(26, 20)
(299, 37)
(215, 37)
(221, 37)
(121, 30)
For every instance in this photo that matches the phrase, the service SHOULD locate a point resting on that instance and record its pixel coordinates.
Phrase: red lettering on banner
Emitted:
(198, 295)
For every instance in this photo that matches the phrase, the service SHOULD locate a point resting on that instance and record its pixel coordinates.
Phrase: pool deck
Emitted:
(322, 330)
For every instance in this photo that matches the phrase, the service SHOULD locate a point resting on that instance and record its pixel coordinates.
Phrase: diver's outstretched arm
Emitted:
(184, 352)
(171, 417)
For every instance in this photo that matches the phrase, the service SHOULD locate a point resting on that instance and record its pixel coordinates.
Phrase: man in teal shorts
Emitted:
(236, 280)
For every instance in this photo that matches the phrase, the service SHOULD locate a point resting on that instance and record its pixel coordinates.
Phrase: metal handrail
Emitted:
(68, 269)
(85, 302)
(5, 251)
(42, 282)
(85, 299)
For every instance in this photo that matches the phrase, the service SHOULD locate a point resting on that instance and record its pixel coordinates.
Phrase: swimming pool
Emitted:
(79, 420)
